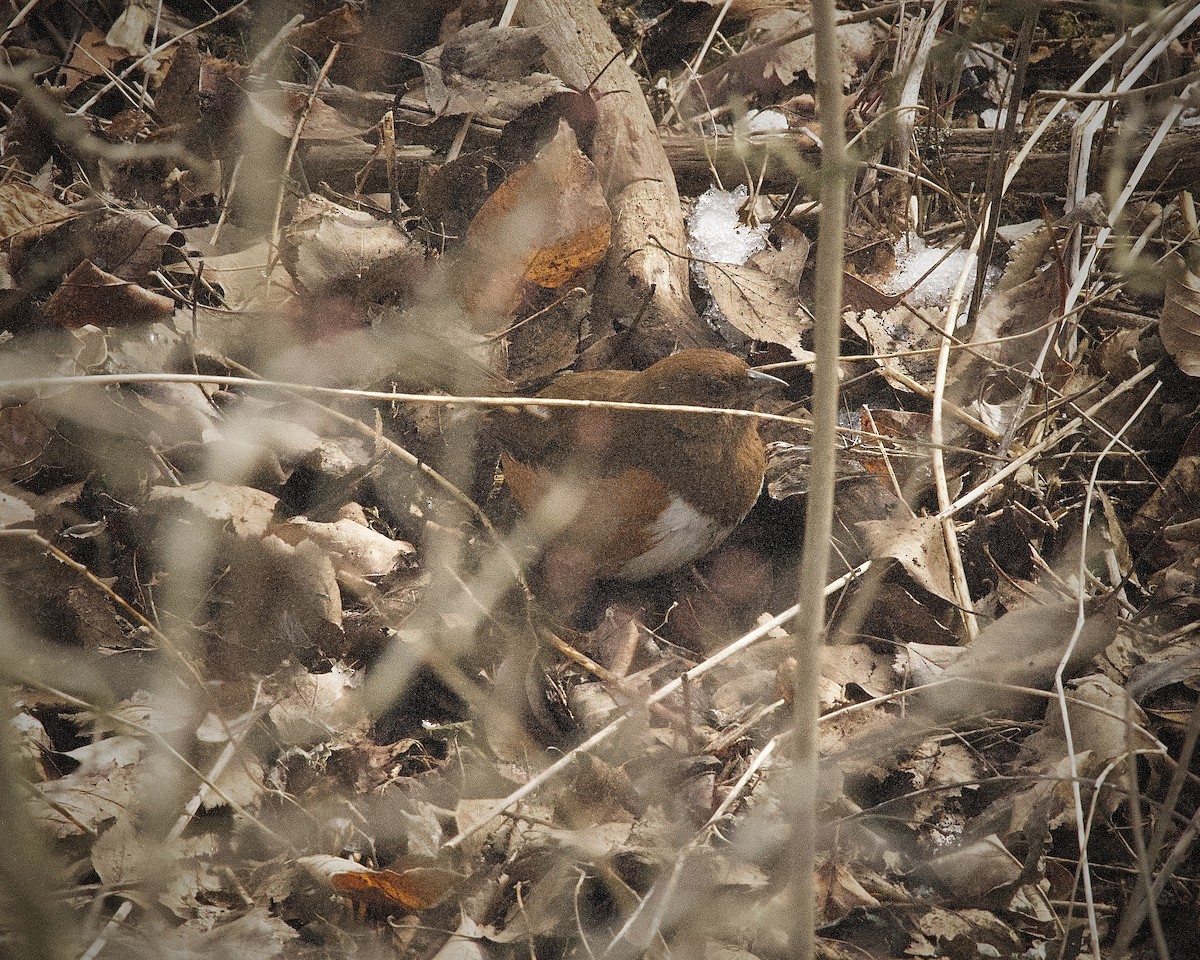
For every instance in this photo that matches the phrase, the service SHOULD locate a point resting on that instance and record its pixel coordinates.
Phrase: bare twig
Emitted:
(293, 144)
(154, 52)
(836, 175)
(695, 673)
(1064, 713)
(73, 131)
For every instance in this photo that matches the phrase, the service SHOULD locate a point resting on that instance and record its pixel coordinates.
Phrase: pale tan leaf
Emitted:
(328, 246)
(910, 332)
(27, 214)
(23, 437)
(1179, 323)
(281, 111)
(253, 277)
(487, 70)
(357, 550)
(79, 803)
(241, 511)
(986, 933)
(839, 892)
(917, 545)
(761, 297)
(255, 935)
(857, 41)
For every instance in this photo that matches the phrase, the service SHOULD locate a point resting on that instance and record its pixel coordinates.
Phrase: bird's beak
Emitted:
(762, 383)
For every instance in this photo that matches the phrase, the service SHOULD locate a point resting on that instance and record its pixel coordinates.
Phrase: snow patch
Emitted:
(716, 232)
(766, 121)
(914, 258)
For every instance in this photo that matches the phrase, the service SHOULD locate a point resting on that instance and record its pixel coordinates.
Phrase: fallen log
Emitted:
(955, 158)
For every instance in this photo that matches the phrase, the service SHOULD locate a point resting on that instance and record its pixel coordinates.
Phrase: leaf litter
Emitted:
(277, 683)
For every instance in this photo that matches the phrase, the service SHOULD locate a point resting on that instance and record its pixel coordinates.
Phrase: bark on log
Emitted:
(638, 182)
(960, 161)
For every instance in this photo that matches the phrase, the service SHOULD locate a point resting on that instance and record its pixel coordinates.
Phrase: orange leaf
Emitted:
(416, 889)
(546, 224)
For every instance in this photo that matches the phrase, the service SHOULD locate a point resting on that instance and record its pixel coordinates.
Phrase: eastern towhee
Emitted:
(645, 492)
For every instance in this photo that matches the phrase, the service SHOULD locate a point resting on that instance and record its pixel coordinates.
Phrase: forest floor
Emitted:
(282, 679)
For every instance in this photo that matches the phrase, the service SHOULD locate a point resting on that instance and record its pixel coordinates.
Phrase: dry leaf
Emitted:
(838, 892)
(761, 297)
(317, 36)
(91, 57)
(241, 280)
(898, 331)
(177, 100)
(858, 665)
(1008, 337)
(91, 295)
(546, 224)
(241, 511)
(241, 782)
(906, 619)
(1023, 648)
(416, 889)
(309, 706)
(80, 803)
(280, 110)
(1174, 500)
(918, 545)
(128, 32)
(1101, 733)
(971, 872)
(768, 65)
(330, 247)
(15, 511)
(486, 70)
(980, 931)
(23, 437)
(357, 550)
(783, 63)
(1179, 323)
(103, 755)
(130, 245)
(26, 214)
(256, 935)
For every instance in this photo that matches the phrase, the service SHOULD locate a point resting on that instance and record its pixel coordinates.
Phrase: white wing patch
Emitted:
(680, 535)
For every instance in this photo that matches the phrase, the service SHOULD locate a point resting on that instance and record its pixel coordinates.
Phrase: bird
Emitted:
(641, 493)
